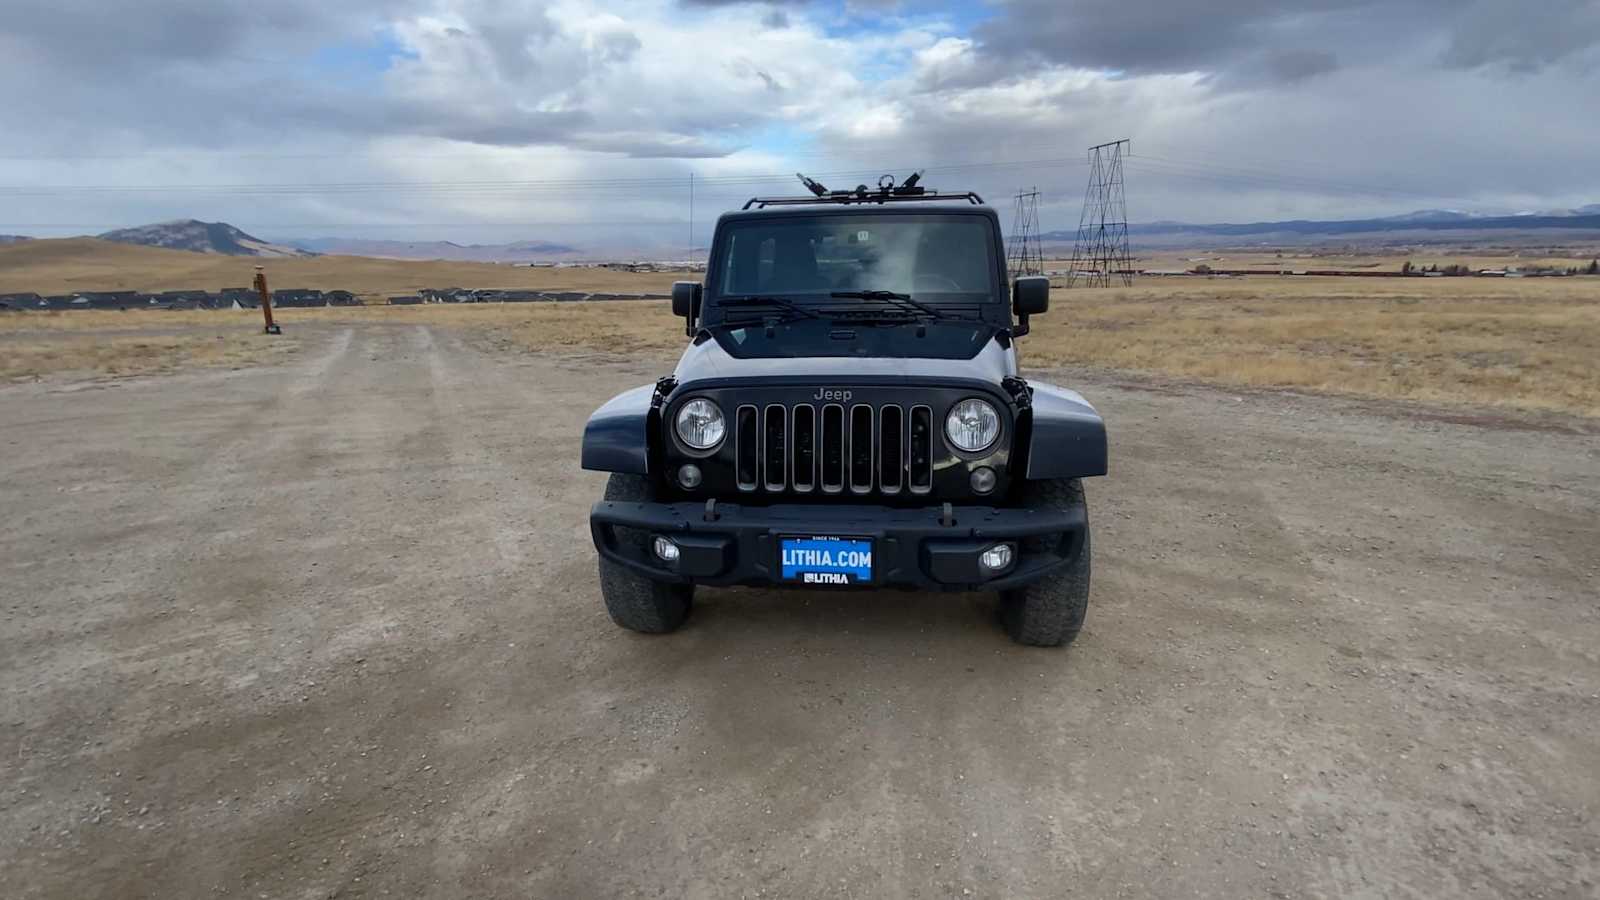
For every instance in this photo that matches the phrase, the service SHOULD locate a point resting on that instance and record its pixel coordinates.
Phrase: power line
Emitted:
(259, 226)
(572, 185)
(1157, 166)
(719, 190)
(837, 149)
(1240, 175)
(1153, 165)
(1230, 159)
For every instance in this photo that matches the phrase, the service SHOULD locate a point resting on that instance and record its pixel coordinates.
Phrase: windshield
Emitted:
(933, 258)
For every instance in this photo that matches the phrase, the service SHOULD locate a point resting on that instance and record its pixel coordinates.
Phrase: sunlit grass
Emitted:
(87, 354)
(1530, 344)
(1526, 344)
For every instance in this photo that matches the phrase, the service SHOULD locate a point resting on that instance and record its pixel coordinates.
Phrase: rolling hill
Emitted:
(521, 251)
(200, 237)
(63, 265)
(1432, 224)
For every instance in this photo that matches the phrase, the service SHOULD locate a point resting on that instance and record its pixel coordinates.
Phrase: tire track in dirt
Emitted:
(353, 633)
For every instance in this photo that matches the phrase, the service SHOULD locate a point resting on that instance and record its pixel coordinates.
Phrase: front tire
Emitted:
(635, 602)
(1050, 612)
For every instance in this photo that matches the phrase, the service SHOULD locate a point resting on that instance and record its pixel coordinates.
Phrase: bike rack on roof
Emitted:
(887, 192)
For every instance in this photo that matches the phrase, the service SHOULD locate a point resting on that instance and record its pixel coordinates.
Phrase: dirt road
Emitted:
(332, 628)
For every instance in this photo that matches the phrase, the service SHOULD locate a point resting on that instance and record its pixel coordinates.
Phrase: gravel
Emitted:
(332, 628)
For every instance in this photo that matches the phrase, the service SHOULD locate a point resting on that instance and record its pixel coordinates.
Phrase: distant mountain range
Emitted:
(1586, 218)
(200, 237)
(521, 251)
(1435, 225)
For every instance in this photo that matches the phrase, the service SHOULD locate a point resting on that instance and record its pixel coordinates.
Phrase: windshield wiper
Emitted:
(789, 308)
(902, 301)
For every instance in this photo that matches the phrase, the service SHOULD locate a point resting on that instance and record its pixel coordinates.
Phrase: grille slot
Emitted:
(774, 449)
(921, 449)
(860, 448)
(746, 449)
(891, 449)
(804, 441)
(834, 448)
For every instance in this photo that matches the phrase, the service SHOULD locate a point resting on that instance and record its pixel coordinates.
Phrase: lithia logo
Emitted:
(826, 394)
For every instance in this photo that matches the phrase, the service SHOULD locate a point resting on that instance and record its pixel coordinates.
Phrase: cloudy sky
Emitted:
(494, 120)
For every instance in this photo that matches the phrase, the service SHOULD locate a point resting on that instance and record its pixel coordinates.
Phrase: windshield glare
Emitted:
(929, 257)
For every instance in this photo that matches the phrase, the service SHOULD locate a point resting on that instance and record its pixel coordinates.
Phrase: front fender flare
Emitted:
(617, 437)
(1067, 438)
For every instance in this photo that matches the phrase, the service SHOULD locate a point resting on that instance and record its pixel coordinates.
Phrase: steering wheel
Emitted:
(928, 281)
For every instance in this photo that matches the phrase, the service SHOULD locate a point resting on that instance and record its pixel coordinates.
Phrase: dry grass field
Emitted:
(61, 353)
(1527, 344)
(1522, 344)
(85, 264)
(1367, 259)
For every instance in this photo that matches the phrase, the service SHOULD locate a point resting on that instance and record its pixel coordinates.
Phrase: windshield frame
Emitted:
(995, 309)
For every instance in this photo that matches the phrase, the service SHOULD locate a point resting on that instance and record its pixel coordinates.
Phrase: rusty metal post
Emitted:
(266, 301)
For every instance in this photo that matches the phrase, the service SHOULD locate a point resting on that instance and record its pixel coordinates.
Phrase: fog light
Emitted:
(983, 479)
(666, 550)
(993, 559)
(689, 476)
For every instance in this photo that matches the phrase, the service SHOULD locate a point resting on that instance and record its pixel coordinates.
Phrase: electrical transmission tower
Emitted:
(1101, 251)
(1025, 256)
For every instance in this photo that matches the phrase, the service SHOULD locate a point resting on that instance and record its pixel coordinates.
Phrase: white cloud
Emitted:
(488, 97)
(638, 78)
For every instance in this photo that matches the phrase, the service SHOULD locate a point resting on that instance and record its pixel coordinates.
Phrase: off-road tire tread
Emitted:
(1050, 613)
(635, 602)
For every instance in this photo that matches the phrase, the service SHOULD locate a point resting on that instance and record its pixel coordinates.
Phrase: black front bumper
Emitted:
(912, 548)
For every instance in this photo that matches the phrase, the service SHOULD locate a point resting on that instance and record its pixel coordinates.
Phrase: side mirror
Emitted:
(686, 302)
(1030, 296)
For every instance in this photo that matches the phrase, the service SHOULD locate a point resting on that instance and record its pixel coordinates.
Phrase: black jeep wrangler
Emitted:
(849, 414)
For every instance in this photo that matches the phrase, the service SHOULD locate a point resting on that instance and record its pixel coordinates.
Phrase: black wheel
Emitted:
(1049, 613)
(635, 602)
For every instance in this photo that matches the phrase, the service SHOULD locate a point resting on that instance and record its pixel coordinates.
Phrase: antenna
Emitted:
(1101, 251)
(1025, 256)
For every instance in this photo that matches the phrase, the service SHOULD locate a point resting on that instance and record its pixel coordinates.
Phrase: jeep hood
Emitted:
(708, 359)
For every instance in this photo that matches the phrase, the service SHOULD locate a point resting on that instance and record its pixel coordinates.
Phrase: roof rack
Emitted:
(887, 192)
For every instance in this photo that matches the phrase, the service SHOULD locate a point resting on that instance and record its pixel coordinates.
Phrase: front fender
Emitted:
(1068, 438)
(617, 437)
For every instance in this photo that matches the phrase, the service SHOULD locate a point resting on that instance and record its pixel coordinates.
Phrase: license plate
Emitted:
(825, 560)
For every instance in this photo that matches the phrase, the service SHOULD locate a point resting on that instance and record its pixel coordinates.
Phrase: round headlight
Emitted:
(972, 425)
(700, 424)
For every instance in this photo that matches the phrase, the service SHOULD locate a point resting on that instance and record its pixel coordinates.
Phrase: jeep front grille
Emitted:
(834, 448)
